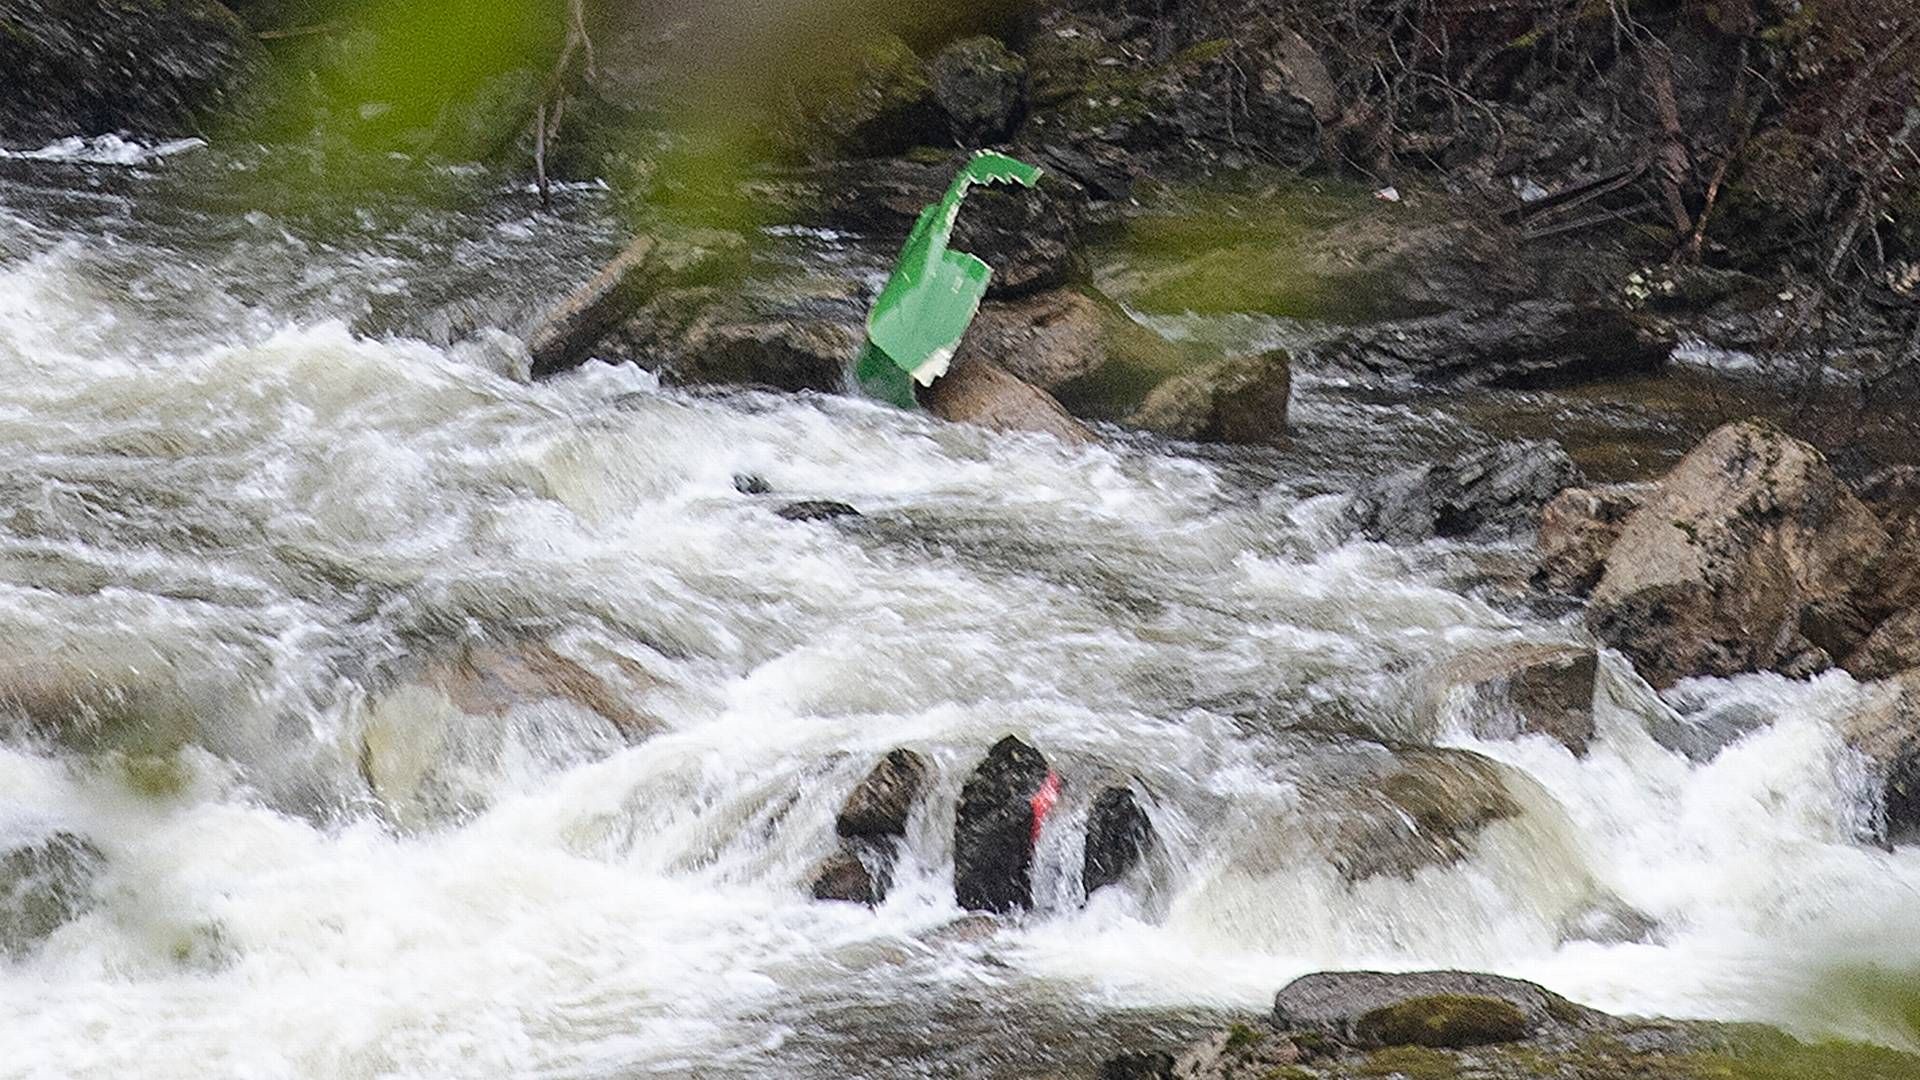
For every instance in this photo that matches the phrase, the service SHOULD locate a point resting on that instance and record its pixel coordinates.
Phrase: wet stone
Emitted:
(995, 827)
(880, 805)
(1118, 834)
(816, 510)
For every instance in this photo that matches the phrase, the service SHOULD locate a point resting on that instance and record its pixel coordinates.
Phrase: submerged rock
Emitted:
(1425, 809)
(982, 392)
(783, 354)
(1750, 556)
(1490, 494)
(1577, 530)
(996, 825)
(44, 885)
(982, 87)
(1241, 399)
(1536, 343)
(879, 806)
(1118, 834)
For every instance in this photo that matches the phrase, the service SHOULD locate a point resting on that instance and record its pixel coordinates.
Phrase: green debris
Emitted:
(926, 306)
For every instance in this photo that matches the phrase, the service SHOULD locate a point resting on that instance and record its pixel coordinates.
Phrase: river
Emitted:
(251, 473)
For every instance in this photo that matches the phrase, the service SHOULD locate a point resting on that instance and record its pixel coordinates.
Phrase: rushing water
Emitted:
(244, 491)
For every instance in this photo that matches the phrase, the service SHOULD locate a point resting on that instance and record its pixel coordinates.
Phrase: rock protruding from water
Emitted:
(1886, 733)
(998, 821)
(1241, 399)
(44, 885)
(1527, 690)
(1491, 494)
(1750, 556)
(879, 806)
(1426, 808)
(981, 392)
(567, 334)
(1118, 835)
(816, 510)
(982, 87)
(1577, 529)
(1368, 1007)
(1537, 343)
(871, 825)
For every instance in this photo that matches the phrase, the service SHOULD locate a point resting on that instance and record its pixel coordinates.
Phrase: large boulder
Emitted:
(1046, 339)
(979, 391)
(567, 334)
(44, 884)
(1577, 530)
(1894, 496)
(1893, 647)
(93, 67)
(1494, 493)
(982, 87)
(1751, 556)
(1118, 834)
(1365, 1007)
(1002, 807)
(1886, 733)
(1531, 344)
(1241, 399)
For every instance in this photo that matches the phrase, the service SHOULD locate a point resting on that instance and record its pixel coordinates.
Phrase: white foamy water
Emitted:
(251, 526)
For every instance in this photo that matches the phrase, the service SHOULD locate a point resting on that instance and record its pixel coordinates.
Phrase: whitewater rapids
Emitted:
(221, 482)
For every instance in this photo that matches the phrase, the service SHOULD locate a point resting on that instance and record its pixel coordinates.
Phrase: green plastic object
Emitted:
(924, 310)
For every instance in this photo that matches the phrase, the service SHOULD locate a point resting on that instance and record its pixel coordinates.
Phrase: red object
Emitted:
(1043, 802)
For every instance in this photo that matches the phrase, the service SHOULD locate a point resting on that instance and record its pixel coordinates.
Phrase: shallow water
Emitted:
(256, 475)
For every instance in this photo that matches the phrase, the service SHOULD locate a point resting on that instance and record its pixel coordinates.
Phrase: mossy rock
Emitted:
(1444, 1021)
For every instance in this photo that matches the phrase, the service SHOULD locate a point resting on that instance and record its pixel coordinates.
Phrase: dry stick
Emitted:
(1870, 192)
(1750, 110)
(540, 155)
(1675, 164)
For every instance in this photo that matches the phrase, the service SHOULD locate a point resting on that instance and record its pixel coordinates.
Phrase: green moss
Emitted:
(1241, 1037)
(155, 776)
(1445, 1020)
(1202, 53)
(1411, 1062)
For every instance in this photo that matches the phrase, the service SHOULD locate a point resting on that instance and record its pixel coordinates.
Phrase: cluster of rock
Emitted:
(1003, 806)
(1341, 1025)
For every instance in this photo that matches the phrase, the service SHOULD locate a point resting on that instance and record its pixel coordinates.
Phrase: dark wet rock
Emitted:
(1886, 733)
(1140, 1065)
(94, 67)
(1029, 236)
(878, 101)
(1531, 344)
(982, 87)
(1490, 494)
(981, 392)
(1751, 556)
(650, 265)
(1893, 647)
(1444, 1020)
(1528, 689)
(879, 806)
(1337, 1003)
(784, 354)
(843, 877)
(995, 827)
(816, 510)
(1118, 834)
(1241, 399)
(1577, 530)
(44, 885)
(750, 484)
